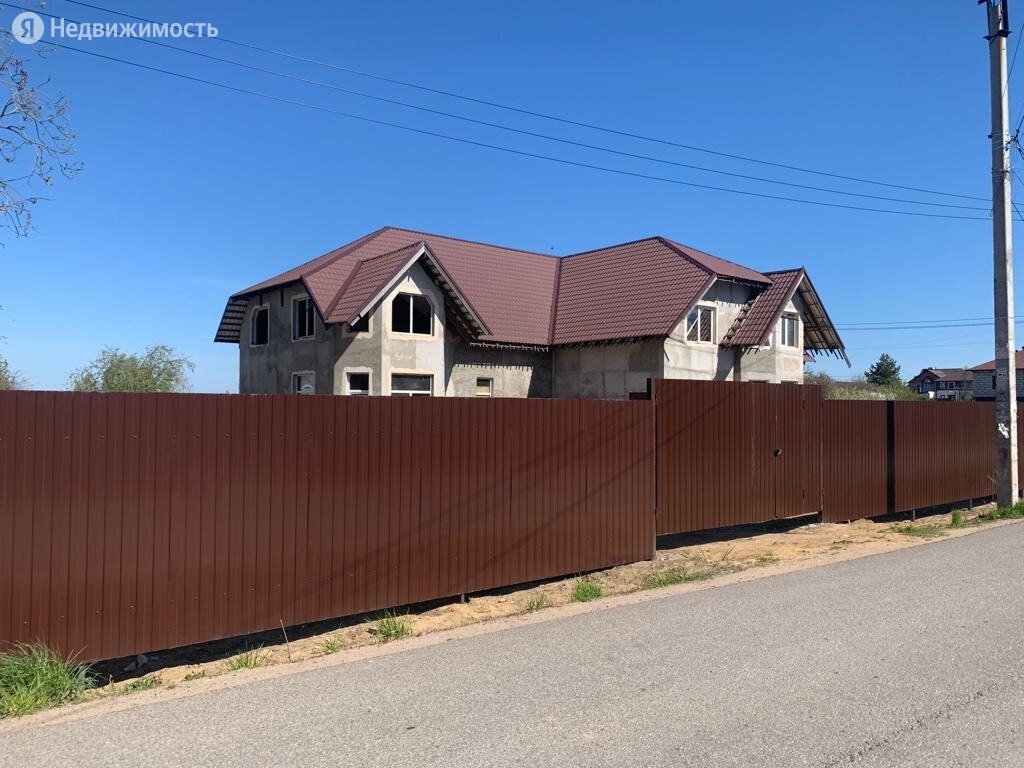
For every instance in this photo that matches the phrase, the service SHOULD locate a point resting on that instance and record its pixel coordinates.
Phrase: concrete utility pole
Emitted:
(1002, 238)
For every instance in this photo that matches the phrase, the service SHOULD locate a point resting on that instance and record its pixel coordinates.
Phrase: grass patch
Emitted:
(537, 603)
(586, 589)
(664, 579)
(329, 645)
(956, 520)
(250, 659)
(197, 675)
(766, 559)
(34, 677)
(390, 626)
(1016, 512)
(924, 531)
(142, 684)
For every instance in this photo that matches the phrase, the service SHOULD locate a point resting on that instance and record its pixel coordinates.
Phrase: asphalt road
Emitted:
(912, 658)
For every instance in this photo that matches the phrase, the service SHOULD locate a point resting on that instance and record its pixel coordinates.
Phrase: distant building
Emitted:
(944, 383)
(984, 384)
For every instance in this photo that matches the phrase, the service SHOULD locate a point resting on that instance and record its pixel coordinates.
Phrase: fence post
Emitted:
(890, 455)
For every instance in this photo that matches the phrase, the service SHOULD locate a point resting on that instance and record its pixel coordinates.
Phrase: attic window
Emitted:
(789, 330)
(411, 313)
(259, 330)
(699, 324)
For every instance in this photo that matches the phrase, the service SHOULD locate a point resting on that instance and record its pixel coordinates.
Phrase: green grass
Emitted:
(766, 559)
(664, 579)
(142, 684)
(197, 675)
(250, 659)
(1016, 512)
(586, 589)
(34, 677)
(330, 644)
(390, 627)
(537, 603)
(924, 531)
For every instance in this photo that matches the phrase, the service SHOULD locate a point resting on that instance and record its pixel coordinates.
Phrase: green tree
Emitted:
(158, 369)
(885, 372)
(10, 378)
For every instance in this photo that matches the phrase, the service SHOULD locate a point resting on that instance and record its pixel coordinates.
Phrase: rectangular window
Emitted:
(411, 385)
(259, 330)
(302, 318)
(484, 387)
(359, 383)
(362, 326)
(303, 383)
(699, 324)
(789, 330)
(411, 313)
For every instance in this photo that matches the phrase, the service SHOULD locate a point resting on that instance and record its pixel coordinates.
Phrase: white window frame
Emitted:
(348, 382)
(296, 375)
(369, 328)
(714, 321)
(795, 318)
(413, 297)
(295, 317)
(490, 386)
(410, 392)
(252, 324)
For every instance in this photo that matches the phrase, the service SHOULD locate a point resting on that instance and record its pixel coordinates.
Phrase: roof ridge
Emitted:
(344, 250)
(555, 293)
(472, 242)
(678, 248)
(609, 247)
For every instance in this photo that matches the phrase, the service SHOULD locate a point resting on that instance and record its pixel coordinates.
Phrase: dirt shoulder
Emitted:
(682, 564)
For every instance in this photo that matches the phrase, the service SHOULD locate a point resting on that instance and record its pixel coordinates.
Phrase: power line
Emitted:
(509, 150)
(533, 134)
(542, 115)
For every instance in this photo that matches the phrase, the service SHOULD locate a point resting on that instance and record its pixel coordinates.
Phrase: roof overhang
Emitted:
(820, 334)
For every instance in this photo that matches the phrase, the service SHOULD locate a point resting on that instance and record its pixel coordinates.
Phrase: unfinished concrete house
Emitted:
(406, 313)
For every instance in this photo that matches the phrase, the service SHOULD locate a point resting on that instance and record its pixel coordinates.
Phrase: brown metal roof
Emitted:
(626, 291)
(754, 326)
(991, 364)
(504, 295)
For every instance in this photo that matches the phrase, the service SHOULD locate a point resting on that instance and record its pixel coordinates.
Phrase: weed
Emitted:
(34, 677)
(956, 520)
(390, 627)
(330, 644)
(197, 675)
(142, 684)
(537, 603)
(925, 531)
(767, 558)
(250, 659)
(1016, 512)
(586, 589)
(664, 579)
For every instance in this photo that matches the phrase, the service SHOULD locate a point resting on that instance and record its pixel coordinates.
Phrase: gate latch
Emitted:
(777, 452)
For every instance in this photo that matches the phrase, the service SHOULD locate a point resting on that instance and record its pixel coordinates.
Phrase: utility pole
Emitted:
(1002, 239)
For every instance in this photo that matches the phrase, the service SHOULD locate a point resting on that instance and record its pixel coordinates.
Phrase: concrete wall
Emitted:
(774, 362)
(412, 352)
(268, 368)
(608, 371)
(514, 372)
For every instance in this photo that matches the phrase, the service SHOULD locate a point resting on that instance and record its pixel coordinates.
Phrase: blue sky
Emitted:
(190, 192)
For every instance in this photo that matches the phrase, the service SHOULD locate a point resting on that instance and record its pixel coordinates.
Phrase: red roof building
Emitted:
(399, 308)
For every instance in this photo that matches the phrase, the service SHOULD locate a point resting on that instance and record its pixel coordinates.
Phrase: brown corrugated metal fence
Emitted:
(131, 523)
(735, 453)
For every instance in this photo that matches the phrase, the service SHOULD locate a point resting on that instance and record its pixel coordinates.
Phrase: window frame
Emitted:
(348, 383)
(795, 318)
(412, 300)
(311, 311)
(392, 392)
(296, 375)
(256, 310)
(490, 386)
(348, 331)
(698, 308)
